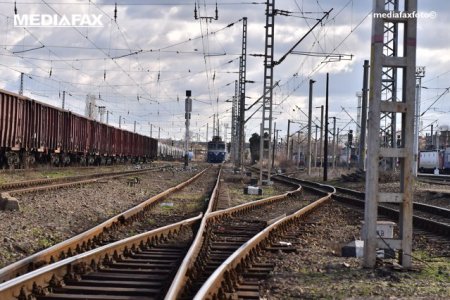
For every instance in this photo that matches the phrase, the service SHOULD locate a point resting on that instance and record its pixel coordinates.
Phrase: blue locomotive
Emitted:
(216, 150)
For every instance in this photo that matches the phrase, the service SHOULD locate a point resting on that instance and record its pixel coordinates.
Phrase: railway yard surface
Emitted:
(310, 267)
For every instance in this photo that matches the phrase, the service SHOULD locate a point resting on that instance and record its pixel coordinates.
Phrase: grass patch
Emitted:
(45, 243)
(57, 174)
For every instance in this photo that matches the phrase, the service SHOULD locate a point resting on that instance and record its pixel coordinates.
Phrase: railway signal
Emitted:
(187, 116)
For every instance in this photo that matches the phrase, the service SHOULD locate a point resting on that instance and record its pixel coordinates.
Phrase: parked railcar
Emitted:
(216, 150)
(430, 160)
(169, 152)
(31, 131)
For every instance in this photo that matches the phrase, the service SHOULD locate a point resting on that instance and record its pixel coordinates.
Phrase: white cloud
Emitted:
(183, 66)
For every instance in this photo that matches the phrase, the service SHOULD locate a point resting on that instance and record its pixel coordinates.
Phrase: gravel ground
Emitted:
(182, 205)
(52, 216)
(318, 271)
(235, 185)
(20, 175)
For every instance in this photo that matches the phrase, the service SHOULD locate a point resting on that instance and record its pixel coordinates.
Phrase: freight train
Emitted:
(32, 132)
(431, 160)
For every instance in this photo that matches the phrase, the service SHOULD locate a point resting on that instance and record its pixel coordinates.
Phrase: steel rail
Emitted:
(435, 210)
(223, 279)
(85, 240)
(182, 275)
(49, 276)
(420, 222)
(18, 186)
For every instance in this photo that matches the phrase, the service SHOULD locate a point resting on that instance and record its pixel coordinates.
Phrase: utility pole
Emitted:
(187, 116)
(225, 132)
(298, 149)
(218, 126)
(358, 114)
(21, 84)
(63, 99)
(274, 143)
(334, 143)
(151, 130)
(134, 130)
(321, 135)
(120, 121)
(432, 143)
(287, 139)
(234, 126)
(384, 65)
(266, 126)
(242, 81)
(308, 150)
(362, 137)
(214, 125)
(420, 73)
(159, 133)
(207, 133)
(107, 117)
(325, 145)
(315, 148)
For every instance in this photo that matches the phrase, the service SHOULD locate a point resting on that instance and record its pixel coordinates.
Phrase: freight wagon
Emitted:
(33, 132)
(431, 160)
(169, 152)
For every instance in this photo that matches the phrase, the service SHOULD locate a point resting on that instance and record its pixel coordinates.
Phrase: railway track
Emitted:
(139, 267)
(91, 238)
(240, 273)
(430, 218)
(8, 191)
(201, 258)
(434, 179)
(226, 231)
(433, 219)
(45, 183)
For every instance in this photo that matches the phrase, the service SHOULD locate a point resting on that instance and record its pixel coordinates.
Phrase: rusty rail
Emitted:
(50, 276)
(85, 240)
(211, 217)
(18, 186)
(221, 282)
(180, 278)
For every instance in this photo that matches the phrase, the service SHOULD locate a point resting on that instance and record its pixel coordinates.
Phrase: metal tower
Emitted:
(358, 114)
(241, 95)
(266, 126)
(234, 125)
(385, 64)
(420, 73)
(389, 83)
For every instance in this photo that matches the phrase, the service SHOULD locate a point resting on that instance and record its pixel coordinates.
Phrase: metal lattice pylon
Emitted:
(389, 84)
(234, 125)
(383, 86)
(265, 149)
(241, 94)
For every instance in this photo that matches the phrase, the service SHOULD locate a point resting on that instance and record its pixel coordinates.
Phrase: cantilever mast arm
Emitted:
(306, 34)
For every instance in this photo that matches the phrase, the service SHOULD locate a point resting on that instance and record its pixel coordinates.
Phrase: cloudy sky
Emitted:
(142, 62)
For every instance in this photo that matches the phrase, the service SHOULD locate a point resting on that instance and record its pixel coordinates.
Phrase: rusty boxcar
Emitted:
(33, 132)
